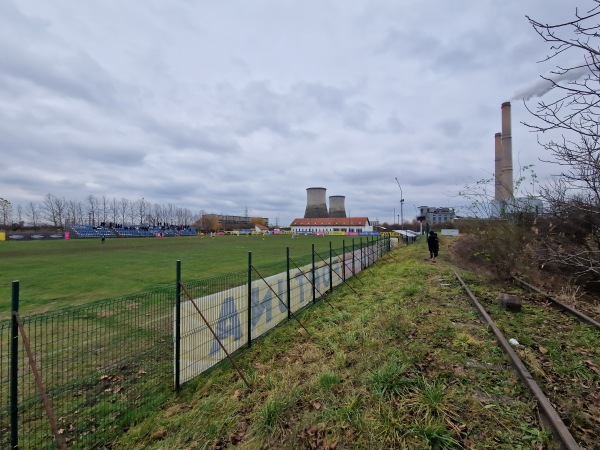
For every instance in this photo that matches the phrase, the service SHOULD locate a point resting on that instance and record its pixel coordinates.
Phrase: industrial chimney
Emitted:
(503, 157)
(499, 191)
(337, 208)
(316, 206)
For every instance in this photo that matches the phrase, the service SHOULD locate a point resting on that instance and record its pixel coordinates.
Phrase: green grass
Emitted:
(57, 274)
(383, 365)
(379, 369)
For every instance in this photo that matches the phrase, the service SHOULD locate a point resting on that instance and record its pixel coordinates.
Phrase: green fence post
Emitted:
(314, 293)
(362, 255)
(330, 268)
(178, 326)
(353, 267)
(14, 369)
(249, 299)
(344, 259)
(289, 294)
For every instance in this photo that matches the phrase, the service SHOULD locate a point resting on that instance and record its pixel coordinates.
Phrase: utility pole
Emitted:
(401, 203)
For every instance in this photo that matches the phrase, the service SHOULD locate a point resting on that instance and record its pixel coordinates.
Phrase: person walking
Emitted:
(433, 244)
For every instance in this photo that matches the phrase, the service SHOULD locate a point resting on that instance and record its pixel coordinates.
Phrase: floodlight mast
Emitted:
(401, 203)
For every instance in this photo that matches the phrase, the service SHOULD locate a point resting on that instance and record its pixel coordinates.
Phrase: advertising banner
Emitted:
(35, 236)
(227, 311)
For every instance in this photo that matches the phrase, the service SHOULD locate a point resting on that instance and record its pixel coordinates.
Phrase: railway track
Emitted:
(560, 305)
(556, 355)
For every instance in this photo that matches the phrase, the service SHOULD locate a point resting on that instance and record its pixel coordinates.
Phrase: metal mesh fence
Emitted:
(107, 365)
(102, 366)
(221, 315)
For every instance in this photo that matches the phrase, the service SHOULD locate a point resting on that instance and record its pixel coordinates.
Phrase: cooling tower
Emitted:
(506, 170)
(316, 206)
(337, 208)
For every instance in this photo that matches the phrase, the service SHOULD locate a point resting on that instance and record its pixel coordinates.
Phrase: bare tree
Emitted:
(93, 209)
(157, 214)
(183, 216)
(78, 212)
(60, 206)
(114, 211)
(104, 209)
(54, 209)
(73, 212)
(169, 213)
(132, 212)
(123, 210)
(141, 210)
(19, 215)
(33, 214)
(5, 212)
(49, 209)
(573, 112)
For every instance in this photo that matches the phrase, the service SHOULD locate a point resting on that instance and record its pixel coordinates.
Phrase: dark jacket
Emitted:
(433, 243)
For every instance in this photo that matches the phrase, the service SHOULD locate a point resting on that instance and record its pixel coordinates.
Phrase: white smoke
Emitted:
(545, 85)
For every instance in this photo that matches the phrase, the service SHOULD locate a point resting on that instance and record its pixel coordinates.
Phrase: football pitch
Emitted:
(58, 274)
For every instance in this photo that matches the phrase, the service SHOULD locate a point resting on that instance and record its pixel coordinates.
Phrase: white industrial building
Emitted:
(331, 225)
(433, 215)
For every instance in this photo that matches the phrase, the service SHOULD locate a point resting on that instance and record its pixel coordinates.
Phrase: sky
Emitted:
(235, 105)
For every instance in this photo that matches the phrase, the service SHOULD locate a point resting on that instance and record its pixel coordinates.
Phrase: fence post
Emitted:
(353, 267)
(249, 299)
(289, 294)
(14, 369)
(314, 294)
(362, 255)
(330, 268)
(178, 326)
(344, 259)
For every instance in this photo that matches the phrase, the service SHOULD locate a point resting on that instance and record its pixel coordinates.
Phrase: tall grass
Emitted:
(372, 372)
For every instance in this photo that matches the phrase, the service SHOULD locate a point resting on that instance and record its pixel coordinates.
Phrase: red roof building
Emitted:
(328, 225)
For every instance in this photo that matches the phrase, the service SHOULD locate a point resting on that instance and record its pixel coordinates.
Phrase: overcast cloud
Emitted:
(228, 105)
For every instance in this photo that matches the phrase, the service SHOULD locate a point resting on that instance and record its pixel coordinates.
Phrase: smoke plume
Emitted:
(545, 85)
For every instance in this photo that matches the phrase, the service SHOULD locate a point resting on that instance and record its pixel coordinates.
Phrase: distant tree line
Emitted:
(59, 213)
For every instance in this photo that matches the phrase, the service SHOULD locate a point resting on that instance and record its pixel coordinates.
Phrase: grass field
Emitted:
(58, 274)
(381, 365)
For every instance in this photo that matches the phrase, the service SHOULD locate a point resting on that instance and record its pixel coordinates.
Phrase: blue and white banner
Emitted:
(227, 311)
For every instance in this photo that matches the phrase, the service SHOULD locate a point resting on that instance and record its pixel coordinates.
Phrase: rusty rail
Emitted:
(566, 308)
(553, 420)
